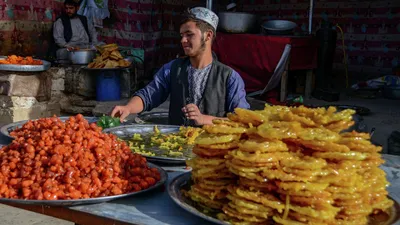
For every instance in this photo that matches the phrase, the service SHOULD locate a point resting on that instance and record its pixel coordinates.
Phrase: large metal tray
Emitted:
(153, 118)
(127, 131)
(184, 181)
(7, 129)
(25, 68)
(105, 69)
(164, 178)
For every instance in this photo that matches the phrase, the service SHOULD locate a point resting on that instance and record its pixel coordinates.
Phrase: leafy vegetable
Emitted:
(108, 122)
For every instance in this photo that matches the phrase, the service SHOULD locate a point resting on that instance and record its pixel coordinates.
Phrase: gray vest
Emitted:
(213, 102)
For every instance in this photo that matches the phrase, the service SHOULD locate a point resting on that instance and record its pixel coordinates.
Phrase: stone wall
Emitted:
(26, 96)
(65, 89)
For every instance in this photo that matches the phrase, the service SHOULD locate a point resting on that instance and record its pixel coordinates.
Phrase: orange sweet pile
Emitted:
(19, 60)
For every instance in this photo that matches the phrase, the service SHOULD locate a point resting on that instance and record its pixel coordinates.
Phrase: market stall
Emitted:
(276, 165)
(172, 199)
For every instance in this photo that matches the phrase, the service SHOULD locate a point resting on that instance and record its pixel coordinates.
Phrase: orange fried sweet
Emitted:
(19, 60)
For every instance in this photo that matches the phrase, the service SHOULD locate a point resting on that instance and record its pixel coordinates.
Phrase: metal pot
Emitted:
(84, 56)
(237, 22)
(279, 27)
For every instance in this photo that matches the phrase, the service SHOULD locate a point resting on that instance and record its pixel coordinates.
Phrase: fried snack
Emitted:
(19, 60)
(210, 174)
(292, 166)
(109, 57)
(54, 160)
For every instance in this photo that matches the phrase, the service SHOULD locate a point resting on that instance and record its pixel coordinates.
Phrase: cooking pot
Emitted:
(82, 56)
(237, 22)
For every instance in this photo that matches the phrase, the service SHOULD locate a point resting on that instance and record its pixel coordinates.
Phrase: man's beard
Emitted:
(73, 15)
(202, 44)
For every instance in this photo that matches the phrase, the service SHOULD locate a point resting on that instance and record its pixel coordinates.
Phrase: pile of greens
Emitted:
(108, 122)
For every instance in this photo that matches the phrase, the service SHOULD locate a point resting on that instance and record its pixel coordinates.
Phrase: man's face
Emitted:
(192, 39)
(70, 10)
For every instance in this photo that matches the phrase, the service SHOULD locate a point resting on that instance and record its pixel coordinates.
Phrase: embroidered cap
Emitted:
(205, 15)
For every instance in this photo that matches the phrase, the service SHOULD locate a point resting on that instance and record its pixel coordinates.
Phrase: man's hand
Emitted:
(135, 105)
(121, 111)
(192, 112)
(70, 48)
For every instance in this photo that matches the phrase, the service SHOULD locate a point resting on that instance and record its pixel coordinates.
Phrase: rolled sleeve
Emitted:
(236, 97)
(158, 90)
(93, 33)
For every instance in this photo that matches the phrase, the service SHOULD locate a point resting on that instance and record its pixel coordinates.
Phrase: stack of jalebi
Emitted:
(209, 172)
(295, 167)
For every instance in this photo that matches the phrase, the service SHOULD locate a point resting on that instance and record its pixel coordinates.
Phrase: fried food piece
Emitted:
(123, 63)
(210, 139)
(19, 60)
(111, 64)
(262, 145)
(116, 55)
(223, 129)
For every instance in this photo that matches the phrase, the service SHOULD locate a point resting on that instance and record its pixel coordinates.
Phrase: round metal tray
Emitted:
(153, 118)
(7, 129)
(164, 178)
(127, 131)
(25, 68)
(184, 181)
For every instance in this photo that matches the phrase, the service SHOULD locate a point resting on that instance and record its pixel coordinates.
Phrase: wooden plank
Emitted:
(65, 213)
(284, 82)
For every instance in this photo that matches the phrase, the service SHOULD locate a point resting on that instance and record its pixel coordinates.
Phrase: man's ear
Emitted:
(209, 35)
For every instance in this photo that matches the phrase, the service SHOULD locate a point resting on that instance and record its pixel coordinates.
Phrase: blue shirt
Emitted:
(158, 90)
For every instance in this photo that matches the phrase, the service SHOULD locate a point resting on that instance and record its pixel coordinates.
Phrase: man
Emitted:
(71, 31)
(201, 88)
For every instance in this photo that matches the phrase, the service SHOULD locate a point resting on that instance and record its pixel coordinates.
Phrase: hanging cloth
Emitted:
(95, 10)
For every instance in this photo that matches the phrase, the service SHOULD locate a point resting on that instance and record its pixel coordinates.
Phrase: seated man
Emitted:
(200, 88)
(71, 31)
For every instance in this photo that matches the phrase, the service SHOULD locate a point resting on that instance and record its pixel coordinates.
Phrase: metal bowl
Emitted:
(237, 22)
(279, 27)
(82, 57)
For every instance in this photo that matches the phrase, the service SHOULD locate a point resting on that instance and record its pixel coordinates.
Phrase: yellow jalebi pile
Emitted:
(292, 166)
(209, 171)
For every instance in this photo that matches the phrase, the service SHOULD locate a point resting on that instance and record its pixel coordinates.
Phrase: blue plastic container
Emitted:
(108, 86)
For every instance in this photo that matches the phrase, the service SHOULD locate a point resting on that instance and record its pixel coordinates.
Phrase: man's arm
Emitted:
(156, 92)
(236, 93)
(58, 34)
(93, 33)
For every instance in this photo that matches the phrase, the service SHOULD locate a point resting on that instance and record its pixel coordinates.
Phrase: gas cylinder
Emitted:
(326, 37)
